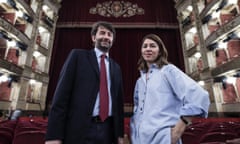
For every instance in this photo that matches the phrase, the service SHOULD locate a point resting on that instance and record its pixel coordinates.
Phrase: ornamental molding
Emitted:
(124, 25)
(116, 9)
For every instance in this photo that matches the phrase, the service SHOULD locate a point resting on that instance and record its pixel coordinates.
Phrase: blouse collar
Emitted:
(152, 66)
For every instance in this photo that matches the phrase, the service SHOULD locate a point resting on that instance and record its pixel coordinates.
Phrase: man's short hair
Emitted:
(104, 24)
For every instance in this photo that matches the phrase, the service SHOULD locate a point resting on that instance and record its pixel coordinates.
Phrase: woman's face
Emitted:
(150, 51)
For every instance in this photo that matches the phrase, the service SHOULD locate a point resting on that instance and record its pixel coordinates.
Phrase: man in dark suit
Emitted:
(75, 114)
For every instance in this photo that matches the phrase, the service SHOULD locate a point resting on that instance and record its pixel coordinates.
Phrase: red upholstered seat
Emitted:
(28, 124)
(7, 123)
(238, 85)
(229, 94)
(221, 129)
(3, 46)
(200, 64)
(7, 129)
(28, 1)
(127, 126)
(233, 47)
(29, 137)
(196, 130)
(26, 129)
(214, 143)
(21, 27)
(213, 28)
(190, 138)
(5, 137)
(9, 16)
(5, 91)
(221, 56)
(217, 137)
(226, 17)
(12, 55)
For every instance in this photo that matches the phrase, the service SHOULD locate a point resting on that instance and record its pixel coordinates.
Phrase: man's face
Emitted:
(103, 39)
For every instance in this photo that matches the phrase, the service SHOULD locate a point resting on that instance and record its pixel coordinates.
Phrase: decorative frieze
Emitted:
(116, 9)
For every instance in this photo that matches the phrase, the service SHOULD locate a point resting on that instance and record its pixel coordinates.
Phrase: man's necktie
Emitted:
(104, 99)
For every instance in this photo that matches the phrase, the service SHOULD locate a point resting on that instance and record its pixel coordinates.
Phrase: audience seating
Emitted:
(215, 130)
(217, 137)
(29, 137)
(6, 137)
(25, 130)
(127, 126)
(189, 137)
(207, 131)
(32, 130)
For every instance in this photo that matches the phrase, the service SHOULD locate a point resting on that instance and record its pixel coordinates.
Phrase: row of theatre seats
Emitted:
(207, 131)
(214, 130)
(25, 130)
(32, 130)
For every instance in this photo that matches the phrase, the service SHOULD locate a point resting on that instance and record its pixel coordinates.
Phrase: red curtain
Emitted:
(130, 31)
(155, 11)
(126, 51)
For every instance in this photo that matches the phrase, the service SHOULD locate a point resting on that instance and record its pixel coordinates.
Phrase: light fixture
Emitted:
(231, 80)
(41, 29)
(21, 45)
(36, 54)
(219, 79)
(32, 81)
(237, 74)
(186, 21)
(193, 30)
(45, 8)
(230, 36)
(19, 13)
(201, 83)
(4, 34)
(190, 8)
(13, 4)
(27, 18)
(3, 1)
(232, 2)
(4, 78)
(212, 46)
(206, 19)
(197, 55)
(215, 14)
(222, 45)
(222, 4)
(11, 43)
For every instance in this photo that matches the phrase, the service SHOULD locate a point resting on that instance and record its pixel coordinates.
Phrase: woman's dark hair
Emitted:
(104, 24)
(163, 54)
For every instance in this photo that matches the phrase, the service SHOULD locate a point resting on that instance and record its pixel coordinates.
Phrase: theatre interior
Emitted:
(202, 38)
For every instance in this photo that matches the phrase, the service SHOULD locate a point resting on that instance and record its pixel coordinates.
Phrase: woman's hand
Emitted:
(177, 131)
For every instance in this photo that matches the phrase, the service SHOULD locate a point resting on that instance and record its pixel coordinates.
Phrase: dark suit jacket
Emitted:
(75, 96)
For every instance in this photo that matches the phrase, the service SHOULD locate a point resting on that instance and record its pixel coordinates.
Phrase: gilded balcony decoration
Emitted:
(116, 9)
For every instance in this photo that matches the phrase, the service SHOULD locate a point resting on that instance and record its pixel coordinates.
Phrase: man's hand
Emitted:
(120, 140)
(234, 141)
(53, 142)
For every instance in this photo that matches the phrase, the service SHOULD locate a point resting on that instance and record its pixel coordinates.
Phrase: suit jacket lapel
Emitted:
(93, 61)
(111, 69)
